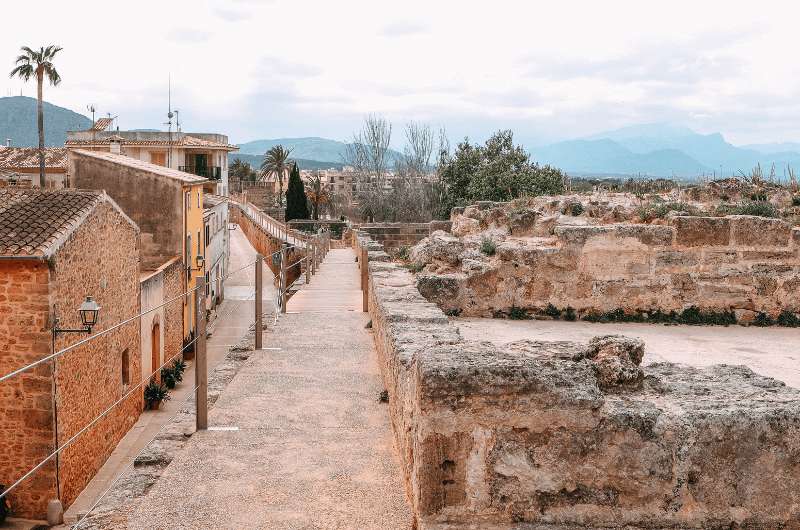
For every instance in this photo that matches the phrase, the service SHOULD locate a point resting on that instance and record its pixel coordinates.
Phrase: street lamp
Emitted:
(89, 312)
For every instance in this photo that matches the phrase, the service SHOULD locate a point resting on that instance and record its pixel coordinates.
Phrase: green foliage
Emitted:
(691, 316)
(453, 312)
(569, 314)
(155, 393)
(574, 209)
(488, 246)
(296, 200)
(168, 377)
(788, 319)
(651, 211)
(415, 267)
(402, 253)
(758, 196)
(795, 200)
(759, 208)
(763, 320)
(552, 311)
(495, 171)
(179, 366)
(4, 508)
(517, 313)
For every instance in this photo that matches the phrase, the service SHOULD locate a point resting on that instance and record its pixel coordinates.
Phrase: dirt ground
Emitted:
(772, 351)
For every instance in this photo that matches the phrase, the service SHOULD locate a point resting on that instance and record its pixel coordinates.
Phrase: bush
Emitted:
(796, 200)
(659, 211)
(402, 253)
(517, 313)
(179, 366)
(168, 377)
(759, 208)
(415, 267)
(552, 311)
(488, 246)
(788, 319)
(763, 320)
(569, 314)
(155, 393)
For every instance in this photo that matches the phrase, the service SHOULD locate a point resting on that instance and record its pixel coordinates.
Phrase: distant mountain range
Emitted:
(302, 163)
(308, 149)
(664, 150)
(18, 122)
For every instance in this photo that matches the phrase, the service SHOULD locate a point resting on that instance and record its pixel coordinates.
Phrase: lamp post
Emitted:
(89, 310)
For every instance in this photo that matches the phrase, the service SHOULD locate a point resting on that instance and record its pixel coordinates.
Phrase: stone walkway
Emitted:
(234, 317)
(299, 438)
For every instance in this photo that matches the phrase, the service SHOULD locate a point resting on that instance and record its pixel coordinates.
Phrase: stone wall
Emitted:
(26, 404)
(741, 264)
(100, 260)
(156, 289)
(173, 312)
(266, 245)
(394, 236)
(564, 433)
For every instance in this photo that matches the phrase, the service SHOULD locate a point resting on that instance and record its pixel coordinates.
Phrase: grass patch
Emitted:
(692, 316)
(651, 211)
(414, 267)
(758, 208)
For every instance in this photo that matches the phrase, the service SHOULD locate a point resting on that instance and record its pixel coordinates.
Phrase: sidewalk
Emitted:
(234, 317)
(298, 438)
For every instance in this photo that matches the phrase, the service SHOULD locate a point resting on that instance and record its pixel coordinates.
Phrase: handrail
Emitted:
(276, 228)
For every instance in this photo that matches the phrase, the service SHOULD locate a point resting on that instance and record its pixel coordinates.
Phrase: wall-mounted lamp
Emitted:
(89, 312)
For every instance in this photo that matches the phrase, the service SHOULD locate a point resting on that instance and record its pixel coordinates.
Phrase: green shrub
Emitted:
(155, 393)
(651, 211)
(573, 208)
(402, 253)
(414, 267)
(763, 320)
(759, 196)
(569, 314)
(552, 311)
(796, 200)
(759, 208)
(788, 319)
(179, 366)
(488, 246)
(517, 313)
(168, 377)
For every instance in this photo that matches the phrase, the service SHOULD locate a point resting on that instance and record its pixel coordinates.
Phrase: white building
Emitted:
(217, 247)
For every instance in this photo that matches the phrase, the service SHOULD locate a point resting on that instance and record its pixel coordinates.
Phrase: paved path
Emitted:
(234, 316)
(307, 443)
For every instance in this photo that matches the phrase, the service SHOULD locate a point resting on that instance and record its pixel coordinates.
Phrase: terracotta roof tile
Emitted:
(101, 124)
(143, 166)
(34, 222)
(28, 157)
(183, 141)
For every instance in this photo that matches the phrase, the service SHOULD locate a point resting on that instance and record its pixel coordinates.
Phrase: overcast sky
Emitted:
(548, 70)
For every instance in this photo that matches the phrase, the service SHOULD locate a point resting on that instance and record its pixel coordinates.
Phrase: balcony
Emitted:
(209, 172)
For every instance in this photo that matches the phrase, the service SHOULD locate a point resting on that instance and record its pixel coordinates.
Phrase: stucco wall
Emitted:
(154, 202)
(100, 260)
(26, 411)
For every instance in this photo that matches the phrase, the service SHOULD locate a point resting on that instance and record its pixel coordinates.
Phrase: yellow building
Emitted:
(167, 204)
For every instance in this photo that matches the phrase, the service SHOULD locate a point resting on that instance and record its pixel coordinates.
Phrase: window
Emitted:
(208, 234)
(199, 198)
(126, 369)
(188, 201)
(208, 284)
(158, 158)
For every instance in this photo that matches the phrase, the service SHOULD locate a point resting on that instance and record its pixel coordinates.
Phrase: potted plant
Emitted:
(4, 508)
(178, 367)
(168, 377)
(154, 394)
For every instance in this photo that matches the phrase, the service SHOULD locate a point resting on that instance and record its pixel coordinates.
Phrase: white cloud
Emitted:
(547, 70)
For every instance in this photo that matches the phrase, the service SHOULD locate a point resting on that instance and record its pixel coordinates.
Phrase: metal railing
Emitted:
(209, 172)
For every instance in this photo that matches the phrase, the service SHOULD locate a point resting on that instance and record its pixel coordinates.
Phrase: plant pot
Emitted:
(154, 405)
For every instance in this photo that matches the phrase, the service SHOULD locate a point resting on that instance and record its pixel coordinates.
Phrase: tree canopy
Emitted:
(495, 171)
(296, 200)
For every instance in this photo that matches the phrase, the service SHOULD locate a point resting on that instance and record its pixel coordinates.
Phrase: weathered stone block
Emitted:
(701, 231)
(754, 231)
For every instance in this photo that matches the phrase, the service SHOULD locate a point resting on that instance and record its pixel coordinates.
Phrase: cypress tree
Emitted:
(296, 200)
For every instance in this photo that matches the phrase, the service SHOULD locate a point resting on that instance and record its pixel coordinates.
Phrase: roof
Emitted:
(210, 200)
(28, 157)
(135, 163)
(101, 124)
(34, 222)
(184, 141)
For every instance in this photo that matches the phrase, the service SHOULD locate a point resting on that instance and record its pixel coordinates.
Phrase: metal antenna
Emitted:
(91, 109)
(169, 119)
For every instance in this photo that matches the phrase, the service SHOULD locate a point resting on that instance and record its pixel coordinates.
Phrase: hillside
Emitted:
(255, 161)
(663, 150)
(18, 122)
(310, 148)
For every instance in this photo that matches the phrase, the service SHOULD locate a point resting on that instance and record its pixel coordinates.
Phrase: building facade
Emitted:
(57, 248)
(166, 203)
(200, 154)
(217, 247)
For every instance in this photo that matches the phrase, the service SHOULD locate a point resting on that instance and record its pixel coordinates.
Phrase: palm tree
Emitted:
(276, 162)
(317, 194)
(40, 64)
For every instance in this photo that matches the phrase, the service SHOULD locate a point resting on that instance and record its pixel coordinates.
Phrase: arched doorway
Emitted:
(155, 351)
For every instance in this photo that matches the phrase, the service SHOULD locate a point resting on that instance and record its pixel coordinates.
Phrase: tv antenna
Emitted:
(91, 109)
(170, 115)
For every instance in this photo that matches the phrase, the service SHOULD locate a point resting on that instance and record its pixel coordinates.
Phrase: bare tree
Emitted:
(368, 154)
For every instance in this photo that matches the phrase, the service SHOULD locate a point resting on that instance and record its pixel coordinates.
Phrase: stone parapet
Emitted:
(565, 433)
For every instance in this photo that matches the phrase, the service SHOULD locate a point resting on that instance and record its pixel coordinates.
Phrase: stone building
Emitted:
(201, 154)
(167, 204)
(20, 166)
(57, 248)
